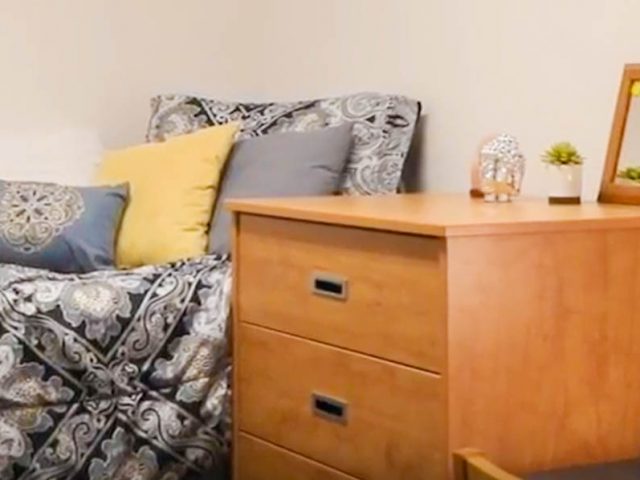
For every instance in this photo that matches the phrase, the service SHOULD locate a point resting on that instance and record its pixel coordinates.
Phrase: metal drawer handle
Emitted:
(329, 285)
(329, 408)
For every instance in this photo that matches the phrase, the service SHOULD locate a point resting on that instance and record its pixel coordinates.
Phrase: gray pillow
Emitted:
(280, 165)
(60, 228)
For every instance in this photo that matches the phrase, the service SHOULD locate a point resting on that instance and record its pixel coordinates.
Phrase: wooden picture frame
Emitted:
(610, 191)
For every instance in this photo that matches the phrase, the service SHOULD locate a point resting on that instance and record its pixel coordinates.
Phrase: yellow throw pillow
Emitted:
(173, 187)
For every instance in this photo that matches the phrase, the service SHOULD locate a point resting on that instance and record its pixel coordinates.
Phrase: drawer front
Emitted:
(366, 417)
(374, 292)
(259, 460)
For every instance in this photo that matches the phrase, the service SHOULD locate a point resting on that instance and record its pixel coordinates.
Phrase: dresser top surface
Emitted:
(444, 215)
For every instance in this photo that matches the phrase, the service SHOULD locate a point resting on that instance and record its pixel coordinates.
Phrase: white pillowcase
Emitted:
(67, 156)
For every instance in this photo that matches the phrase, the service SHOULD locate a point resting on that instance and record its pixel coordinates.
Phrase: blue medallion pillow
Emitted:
(60, 228)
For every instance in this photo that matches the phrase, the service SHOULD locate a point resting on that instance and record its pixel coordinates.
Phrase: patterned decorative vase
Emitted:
(501, 169)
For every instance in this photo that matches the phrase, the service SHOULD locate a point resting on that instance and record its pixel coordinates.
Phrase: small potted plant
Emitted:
(564, 173)
(629, 176)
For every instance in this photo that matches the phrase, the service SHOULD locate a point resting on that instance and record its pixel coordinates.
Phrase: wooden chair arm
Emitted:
(471, 464)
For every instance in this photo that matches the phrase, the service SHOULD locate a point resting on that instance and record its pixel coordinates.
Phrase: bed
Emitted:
(125, 373)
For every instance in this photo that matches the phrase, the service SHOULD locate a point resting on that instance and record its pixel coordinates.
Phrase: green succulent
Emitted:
(630, 173)
(563, 153)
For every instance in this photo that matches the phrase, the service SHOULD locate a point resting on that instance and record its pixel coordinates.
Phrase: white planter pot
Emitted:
(564, 181)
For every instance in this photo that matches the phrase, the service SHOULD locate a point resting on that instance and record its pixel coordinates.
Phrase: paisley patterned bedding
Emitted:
(115, 375)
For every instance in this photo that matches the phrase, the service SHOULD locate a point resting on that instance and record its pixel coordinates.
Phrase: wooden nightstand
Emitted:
(375, 335)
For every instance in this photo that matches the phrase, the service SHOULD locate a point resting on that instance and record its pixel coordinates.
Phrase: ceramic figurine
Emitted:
(501, 169)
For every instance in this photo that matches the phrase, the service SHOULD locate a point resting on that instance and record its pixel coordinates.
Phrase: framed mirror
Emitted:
(621, 177)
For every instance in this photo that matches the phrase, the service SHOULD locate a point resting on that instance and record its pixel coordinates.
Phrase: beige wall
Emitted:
(544, 70)
(96, 63)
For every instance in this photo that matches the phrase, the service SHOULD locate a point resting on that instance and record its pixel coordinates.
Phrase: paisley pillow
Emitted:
(383, 127)
(60, 228)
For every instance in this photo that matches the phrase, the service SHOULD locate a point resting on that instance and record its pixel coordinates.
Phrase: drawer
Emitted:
(366, 417)
(259, 460)
(394, 287)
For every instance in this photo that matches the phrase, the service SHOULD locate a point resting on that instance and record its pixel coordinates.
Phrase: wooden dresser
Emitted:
(374, 336)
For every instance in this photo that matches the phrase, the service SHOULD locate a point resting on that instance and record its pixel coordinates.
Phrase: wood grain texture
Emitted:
(264, 461)
(544, 347)
(610, 191)
(445, 215)
(386, 436)
(391, 278)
